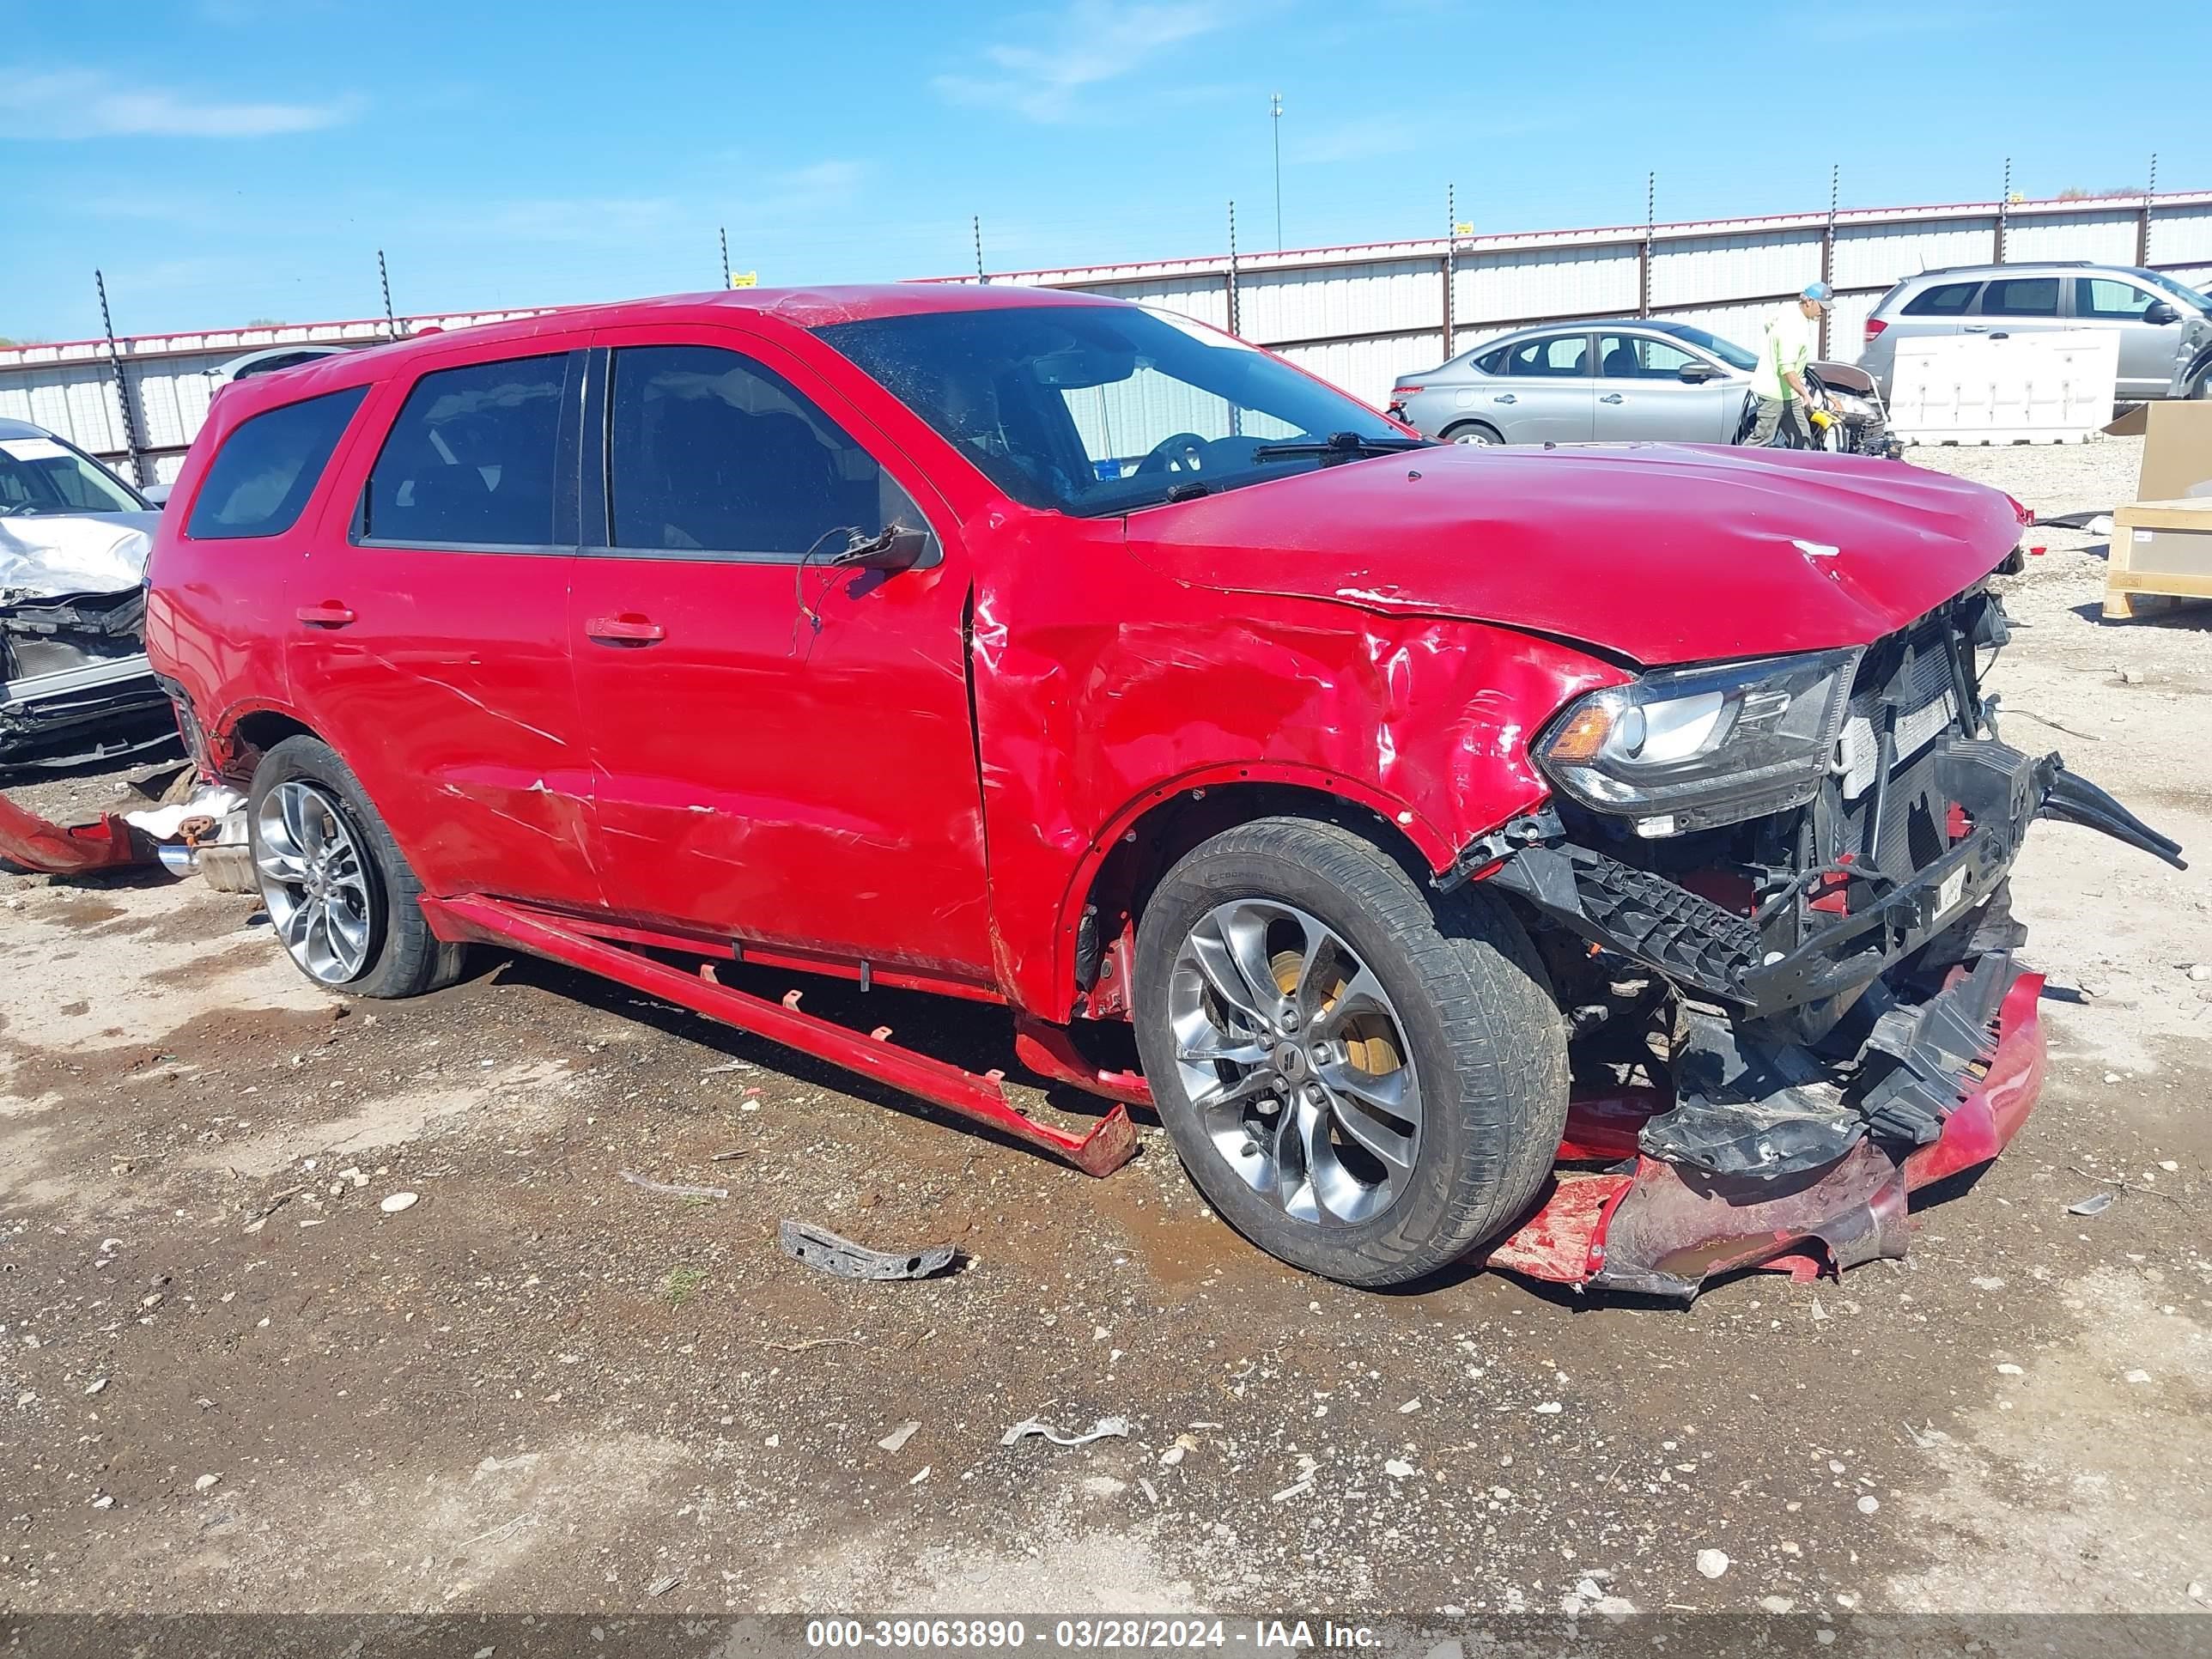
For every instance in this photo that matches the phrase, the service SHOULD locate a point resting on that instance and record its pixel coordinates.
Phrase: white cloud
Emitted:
(89, 104)
(1089, 44)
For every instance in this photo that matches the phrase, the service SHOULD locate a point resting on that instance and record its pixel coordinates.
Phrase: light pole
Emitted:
(1275, 119)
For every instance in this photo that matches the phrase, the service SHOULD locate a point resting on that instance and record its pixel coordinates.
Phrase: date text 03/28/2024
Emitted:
(1259, 1635)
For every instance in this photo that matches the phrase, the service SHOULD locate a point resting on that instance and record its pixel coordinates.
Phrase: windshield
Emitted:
(43, 476)
(1102, 409)
(1727, 350)
(2188, 296)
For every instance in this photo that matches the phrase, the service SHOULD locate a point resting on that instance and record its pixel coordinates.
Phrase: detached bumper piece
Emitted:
(1662, 1229)
(1832, 1055)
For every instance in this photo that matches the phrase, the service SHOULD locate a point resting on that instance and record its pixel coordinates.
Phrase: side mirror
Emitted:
(157, 495)
(2160, 312)
(898, 548)
(1698, 374)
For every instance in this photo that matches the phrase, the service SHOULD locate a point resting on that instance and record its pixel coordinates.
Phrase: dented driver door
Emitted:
(782, 744)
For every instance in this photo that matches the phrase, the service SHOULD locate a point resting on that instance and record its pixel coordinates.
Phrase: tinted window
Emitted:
(711, 452)
(268, 468)
(1944, 299)
(2101, 297)
(1556, 355)
(2021, 296)
(1492, 362)
(472, 458)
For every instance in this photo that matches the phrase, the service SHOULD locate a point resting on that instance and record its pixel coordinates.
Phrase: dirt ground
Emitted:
(542, 1387)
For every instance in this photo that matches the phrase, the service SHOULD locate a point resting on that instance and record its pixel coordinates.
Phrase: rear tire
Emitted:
(343, 899)
(1480, 433)
(1421, 1114)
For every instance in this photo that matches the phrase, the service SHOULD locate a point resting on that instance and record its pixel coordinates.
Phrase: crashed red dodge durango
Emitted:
(1591, 861)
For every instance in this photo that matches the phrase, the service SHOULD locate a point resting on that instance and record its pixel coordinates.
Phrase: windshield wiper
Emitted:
(1338, 445)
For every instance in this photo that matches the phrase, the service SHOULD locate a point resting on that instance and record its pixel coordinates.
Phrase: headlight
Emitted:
(1686, 749)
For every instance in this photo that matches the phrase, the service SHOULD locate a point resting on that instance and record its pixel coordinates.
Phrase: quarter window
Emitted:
(1944, 299)
(268, 468)
(710, 451)
(472, 458)
(2021, 296)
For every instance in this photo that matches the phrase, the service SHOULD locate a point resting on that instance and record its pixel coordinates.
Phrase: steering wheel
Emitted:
(1181, 452)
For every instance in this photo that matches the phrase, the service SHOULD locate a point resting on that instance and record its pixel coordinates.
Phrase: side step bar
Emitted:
(1110, 1144)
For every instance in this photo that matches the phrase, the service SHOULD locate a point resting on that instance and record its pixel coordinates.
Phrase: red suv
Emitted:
(1606, 843)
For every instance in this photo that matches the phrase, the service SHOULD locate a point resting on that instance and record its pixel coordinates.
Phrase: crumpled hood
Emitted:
(52, 554)
(1663, 553)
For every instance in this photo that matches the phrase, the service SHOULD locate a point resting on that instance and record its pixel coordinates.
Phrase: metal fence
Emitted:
(1358, 316)
(137, 402)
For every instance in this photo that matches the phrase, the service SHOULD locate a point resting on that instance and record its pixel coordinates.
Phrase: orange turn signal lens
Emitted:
(1583, 736)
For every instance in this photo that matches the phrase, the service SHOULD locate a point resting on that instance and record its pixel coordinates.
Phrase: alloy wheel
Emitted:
(1296, 1060)
(314, 881)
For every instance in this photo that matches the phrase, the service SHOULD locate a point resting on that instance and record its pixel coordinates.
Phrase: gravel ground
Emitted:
(541, 1386)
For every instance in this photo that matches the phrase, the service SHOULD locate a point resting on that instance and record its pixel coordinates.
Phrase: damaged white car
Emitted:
(74, 682)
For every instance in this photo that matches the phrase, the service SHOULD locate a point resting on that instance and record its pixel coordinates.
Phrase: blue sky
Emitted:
(227, 159)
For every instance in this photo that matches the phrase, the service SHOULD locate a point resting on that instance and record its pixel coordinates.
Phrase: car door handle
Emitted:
(1610, 398)
(329, 614)
(626, 629)
(1506, 398)
(1999, 334)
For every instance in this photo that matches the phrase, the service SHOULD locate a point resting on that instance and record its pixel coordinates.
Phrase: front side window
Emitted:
(1638, 357)
(43, 475)
(472, 457)
(1098, 408)
(711, 452)
(1944, 299)
(2021, 296)
(1727, 350)
(1560, 357)
(269, 467)
(2110, 302)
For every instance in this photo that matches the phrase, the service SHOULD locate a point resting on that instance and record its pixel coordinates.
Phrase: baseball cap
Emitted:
(1819, 294)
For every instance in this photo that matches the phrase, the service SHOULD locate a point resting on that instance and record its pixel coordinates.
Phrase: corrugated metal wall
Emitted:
(71, 387)
(1356, 316)
(1361, 316)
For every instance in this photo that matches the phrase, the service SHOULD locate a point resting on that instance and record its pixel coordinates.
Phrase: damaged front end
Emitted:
(1774, 897)
(74, 684)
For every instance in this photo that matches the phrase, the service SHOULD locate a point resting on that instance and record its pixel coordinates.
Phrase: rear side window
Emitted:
(2021, 296)
(711, 452)
(1491, 362)
(471, 460)
(267, 468)
(1559, 355)
(1944, 299)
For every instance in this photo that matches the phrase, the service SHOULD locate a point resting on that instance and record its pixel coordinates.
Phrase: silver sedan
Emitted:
(1597, 382)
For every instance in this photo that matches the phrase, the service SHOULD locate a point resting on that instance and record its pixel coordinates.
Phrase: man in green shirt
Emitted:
(1778, 382)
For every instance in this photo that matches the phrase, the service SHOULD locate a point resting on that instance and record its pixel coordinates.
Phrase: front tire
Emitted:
(1364, 1081)
(339, 894)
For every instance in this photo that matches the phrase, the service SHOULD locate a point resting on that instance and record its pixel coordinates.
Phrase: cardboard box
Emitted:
(2159, 548)
(2177, 458)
